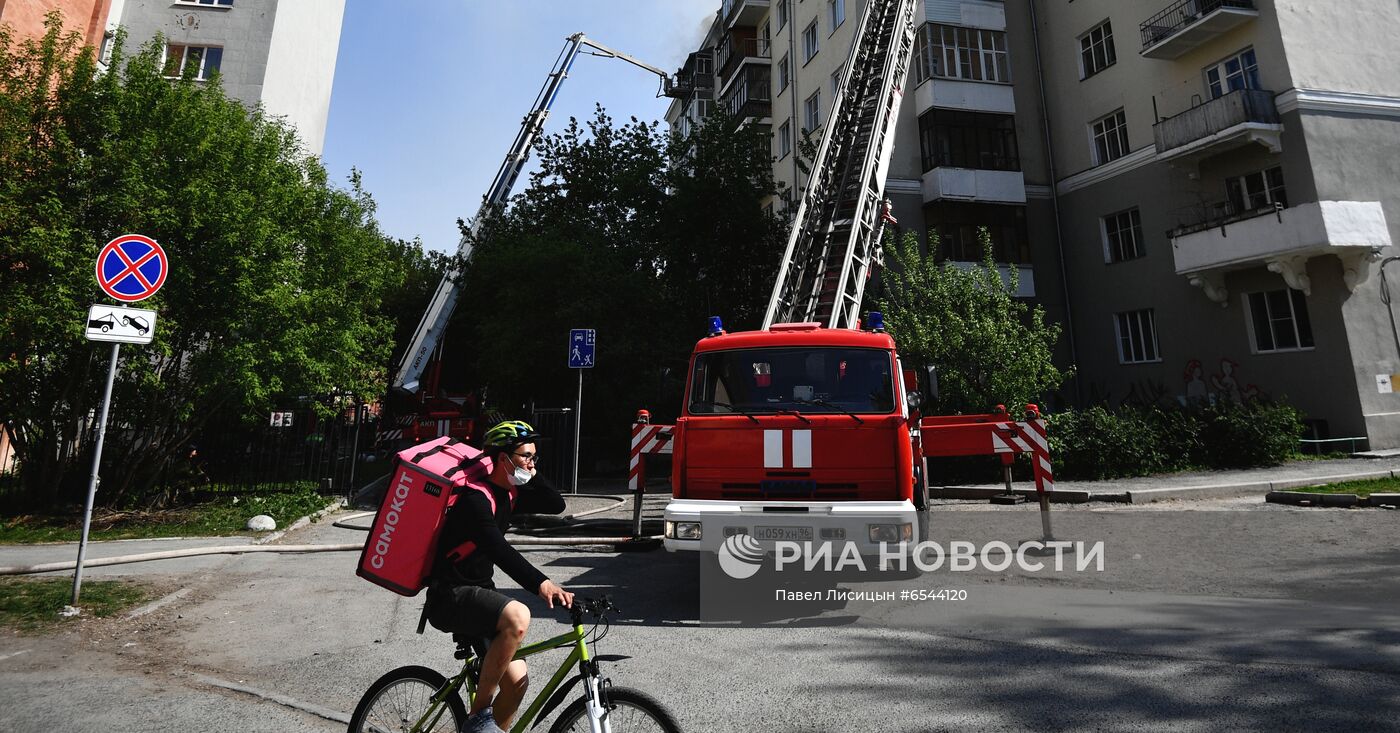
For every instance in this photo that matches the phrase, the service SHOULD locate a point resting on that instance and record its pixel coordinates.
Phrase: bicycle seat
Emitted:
(465, 646)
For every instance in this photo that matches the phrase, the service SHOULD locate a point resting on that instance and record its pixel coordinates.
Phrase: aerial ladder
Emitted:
(428, 336)
(836, 234)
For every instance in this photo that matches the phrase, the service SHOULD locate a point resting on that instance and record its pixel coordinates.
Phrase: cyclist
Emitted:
(462, 596)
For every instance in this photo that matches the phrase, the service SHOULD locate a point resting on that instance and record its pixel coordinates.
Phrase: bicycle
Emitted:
(415, 699)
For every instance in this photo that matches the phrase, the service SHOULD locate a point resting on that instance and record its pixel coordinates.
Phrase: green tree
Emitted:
(631, 233)
(988, 348)
(275, 282)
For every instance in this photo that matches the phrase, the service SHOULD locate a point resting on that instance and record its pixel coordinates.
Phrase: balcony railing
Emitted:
(1183, 14)
(750, 97)
(1216, 116)
(1223, 213)
(731, 51)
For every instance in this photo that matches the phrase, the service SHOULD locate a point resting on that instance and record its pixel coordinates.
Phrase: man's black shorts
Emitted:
(467, 610)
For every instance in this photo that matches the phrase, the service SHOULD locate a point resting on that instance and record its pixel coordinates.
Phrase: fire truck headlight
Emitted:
(891, 532)
(682, 530)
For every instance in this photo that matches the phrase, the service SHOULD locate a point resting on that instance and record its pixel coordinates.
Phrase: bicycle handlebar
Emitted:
(595, 607)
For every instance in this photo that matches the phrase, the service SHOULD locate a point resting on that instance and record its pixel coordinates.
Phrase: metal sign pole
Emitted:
(578, 416)
(96, 465)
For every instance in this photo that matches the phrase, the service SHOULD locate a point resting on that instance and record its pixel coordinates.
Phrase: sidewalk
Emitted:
(1197, 484)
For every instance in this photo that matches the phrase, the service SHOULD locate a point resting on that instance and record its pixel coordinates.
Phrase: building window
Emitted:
(960, 53)
(1110, 138)
(812, 112)
(705, 64)
(785, 139)
(1122, 236)
(782, 13)
(958, 231)
(784, 74)
(204, 60)
(1233, 74)
(1137, 337)
(809, 42)
(1258, 190)
(1279, 321)
(836, 9)
(968, 140)
(223, 3)
(835, 84)
(1096, 50)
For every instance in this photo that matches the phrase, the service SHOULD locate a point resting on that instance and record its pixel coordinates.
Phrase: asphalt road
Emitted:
(1208, 616)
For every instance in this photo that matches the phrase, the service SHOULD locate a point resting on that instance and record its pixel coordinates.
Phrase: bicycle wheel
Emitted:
(632, 711)
(398, 699)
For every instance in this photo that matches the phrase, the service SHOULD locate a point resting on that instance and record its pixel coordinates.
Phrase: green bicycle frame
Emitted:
(579, 654)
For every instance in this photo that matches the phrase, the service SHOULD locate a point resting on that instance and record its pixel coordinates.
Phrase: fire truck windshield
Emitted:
(816, 380)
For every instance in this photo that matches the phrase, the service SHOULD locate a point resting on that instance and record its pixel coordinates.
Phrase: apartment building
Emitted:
(277, 53)
(85, 17)
(1202, 191)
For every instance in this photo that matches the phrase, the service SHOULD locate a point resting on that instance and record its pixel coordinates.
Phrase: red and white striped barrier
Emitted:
(647, 440)
(1027, 436)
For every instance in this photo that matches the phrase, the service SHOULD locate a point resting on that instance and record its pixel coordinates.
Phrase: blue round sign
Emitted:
(131, 268)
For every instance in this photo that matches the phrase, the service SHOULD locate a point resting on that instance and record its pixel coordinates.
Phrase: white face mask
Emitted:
(520, 476)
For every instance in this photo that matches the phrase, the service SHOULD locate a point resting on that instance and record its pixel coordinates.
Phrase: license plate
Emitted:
(791, 534)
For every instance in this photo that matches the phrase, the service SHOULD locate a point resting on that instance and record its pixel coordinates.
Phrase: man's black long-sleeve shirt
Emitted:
(471, 519)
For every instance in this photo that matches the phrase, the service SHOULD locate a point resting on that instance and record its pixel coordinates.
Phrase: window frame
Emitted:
(1241, 199)
(1087, 45)
(1109, 224)
(1249, 74)
(812, 112)
(1121, 128)
(203, 74)
(1123, 319)
(971, 139)
(955, 49)
(1296, 298)
(782, 13)
(810, 43)
(205, 3)
(784, 139)
(836, 15)
(784, 74)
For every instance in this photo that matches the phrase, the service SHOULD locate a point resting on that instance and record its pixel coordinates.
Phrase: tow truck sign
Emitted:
(120, 325)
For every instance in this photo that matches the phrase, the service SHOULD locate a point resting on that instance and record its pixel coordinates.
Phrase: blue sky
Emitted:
(429, 94)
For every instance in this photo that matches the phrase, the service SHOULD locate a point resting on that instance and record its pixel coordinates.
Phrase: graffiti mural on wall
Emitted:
(1223, 385)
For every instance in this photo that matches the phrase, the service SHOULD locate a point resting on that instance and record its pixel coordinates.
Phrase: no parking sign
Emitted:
(131, 268)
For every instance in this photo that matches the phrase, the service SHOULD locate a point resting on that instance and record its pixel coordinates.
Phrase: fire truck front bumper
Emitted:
(704, 525)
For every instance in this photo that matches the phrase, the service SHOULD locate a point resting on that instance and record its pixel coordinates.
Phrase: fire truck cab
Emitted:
(798, 433)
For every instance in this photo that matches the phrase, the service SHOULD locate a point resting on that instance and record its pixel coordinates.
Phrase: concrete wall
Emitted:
(301, 65)
(280, 53)
(1346, 46)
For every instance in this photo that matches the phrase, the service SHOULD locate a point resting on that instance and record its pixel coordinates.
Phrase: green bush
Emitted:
(1098, 443)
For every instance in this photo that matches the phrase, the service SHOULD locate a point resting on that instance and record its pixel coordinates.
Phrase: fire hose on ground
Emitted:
(620, 544)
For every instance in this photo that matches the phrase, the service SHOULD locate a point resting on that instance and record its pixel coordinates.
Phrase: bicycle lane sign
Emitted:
(131, 268)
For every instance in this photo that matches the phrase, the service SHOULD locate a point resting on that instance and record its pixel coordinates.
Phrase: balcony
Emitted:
(1283, 240)
(733, 52)
(944, 183)
(1189, 23)
(743, 12)
(749, 96)
(973, 96)
(1239, 118)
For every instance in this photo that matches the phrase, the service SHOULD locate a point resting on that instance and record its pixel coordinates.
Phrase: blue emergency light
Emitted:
(877, 321)
(716, 326)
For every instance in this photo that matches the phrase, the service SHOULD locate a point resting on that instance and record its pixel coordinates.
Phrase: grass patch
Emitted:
(1362, 489)
(222, 516)
(31, 605)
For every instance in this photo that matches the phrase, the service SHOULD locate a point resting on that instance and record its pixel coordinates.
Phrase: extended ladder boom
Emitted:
(836, 233)
(429, 332)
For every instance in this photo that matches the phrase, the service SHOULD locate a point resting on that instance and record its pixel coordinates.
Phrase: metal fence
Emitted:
(556, 445)
(292, 447)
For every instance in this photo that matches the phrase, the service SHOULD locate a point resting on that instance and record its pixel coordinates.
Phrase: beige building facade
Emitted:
(1203, 192)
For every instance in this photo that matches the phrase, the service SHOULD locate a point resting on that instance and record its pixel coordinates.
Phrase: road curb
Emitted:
(299, 523)
(1058, 496)
(1250, 488)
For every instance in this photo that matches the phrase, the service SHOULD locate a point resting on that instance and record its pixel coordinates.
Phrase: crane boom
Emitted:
(835, 238)
(429, 332)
